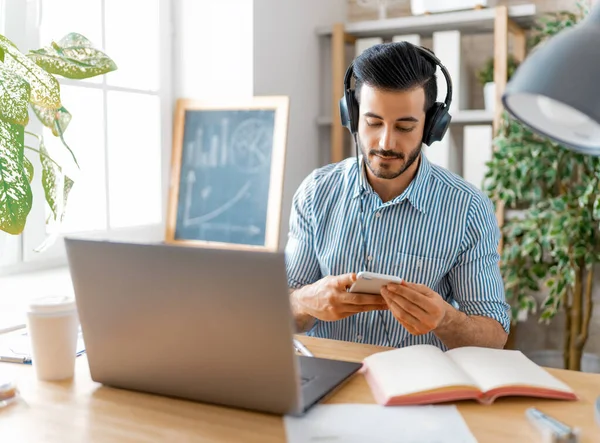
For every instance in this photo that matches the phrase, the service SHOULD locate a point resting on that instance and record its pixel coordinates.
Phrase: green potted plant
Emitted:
(28, 83)
(555, 242)
(485, 75)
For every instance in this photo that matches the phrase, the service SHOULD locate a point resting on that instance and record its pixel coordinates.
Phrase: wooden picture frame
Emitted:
(241, 161)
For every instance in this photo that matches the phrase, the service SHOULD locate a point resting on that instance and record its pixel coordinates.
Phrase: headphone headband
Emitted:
(437, 117)
(427, 54)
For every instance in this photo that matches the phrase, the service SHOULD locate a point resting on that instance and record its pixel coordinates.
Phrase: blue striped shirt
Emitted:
(440, 232)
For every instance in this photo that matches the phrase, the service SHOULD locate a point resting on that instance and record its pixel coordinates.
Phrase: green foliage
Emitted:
(486, 73)
(551, 24)
(27, 81)
(558, 191)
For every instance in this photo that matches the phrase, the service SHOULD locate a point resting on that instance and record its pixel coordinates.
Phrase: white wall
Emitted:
(212, 48)
(287, 62)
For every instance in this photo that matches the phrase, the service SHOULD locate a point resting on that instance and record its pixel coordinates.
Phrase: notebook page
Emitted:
(496, 368)
(415, 369)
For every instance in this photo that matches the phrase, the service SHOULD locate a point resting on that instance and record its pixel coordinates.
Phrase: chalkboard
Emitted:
(227, 173)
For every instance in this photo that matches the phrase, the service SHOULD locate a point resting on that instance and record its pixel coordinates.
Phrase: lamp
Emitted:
(556, 90)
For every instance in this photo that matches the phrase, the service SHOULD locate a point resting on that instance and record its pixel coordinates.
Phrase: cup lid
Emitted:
(52, 303)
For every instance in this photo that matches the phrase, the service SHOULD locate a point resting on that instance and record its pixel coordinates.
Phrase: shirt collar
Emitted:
(415, 193)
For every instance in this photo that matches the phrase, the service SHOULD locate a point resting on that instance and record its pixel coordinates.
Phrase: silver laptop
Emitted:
(208, 325)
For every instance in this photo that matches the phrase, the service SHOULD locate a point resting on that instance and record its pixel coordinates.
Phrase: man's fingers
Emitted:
(418, 288)
(411, 295)
(411, 324)
(345, 281)
(352, 298)
(415, 310)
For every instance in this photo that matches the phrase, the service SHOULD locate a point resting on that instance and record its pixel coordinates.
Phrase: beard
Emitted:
(391, 170)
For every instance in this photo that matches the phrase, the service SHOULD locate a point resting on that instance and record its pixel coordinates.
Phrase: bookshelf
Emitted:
(474, 21)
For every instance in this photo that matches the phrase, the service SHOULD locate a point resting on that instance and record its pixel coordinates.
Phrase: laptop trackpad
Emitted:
(320, 376)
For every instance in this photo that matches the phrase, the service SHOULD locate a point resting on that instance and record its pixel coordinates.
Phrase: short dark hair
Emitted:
(396, 66)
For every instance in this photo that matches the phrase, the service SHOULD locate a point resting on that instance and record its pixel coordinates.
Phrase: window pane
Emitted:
(134, 159)
(133, 42)
(86, 206)
(61, 17)
(2, 17)
(10, 247)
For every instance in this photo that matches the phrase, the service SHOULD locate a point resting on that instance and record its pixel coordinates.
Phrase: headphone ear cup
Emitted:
(437, 122)
(349, 111)
(344, 114)
(353, 111)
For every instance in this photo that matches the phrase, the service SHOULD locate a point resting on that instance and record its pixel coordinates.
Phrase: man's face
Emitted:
(390, 129)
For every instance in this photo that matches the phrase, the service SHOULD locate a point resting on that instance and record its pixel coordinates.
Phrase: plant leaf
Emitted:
(54, 225)
(73, 57)
(28, 169)
(15, 192)
(67, 189)
(45, 90)
(14, 97)
(53, 117)
(62, 139)
(53, 182)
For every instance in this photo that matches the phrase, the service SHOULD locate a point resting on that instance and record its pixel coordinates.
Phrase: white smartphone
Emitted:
(371, 282)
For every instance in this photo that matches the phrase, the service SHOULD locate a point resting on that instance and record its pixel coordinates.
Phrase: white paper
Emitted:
(359, 423)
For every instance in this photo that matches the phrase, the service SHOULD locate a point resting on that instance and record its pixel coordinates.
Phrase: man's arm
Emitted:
(459, 329)
(304, 322)
(422, 310)
(302, 264)
(483, 318)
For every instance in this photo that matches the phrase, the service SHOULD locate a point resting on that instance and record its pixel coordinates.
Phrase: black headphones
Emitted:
(437, 118)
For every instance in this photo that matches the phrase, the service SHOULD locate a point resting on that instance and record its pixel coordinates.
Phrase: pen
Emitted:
(302, 349)
(553, 430)
(13, 359)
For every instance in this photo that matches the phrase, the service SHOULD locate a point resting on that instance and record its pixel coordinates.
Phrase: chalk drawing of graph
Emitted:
(247, 149)
(251, 145)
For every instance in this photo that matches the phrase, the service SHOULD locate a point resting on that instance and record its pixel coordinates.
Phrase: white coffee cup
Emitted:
(53, 324)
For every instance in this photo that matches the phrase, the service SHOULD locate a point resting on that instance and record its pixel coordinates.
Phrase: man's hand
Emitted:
(418, 308)
(328, 300)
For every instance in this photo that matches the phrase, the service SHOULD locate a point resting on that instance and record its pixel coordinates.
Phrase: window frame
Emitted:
(35, 230)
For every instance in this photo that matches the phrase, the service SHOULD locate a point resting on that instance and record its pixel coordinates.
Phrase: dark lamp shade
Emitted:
(556, 90)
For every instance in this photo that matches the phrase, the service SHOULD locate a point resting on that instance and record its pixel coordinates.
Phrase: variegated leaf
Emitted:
(14, 97)
(45, 90)
(15, 192)
(53, 117)
(67, 189)
(53, 182)
(28, 169)
(53, 179)
(74, 39)
(73, 57)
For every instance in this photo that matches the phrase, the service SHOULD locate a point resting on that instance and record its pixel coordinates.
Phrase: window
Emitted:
(120, 130)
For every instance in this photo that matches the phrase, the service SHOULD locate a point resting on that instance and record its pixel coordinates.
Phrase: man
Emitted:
(407, 218)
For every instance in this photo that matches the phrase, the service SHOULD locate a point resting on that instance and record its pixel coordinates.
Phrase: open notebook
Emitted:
(424, 374)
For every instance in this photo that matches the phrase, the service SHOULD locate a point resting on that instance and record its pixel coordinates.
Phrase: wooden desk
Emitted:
(84, 411)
